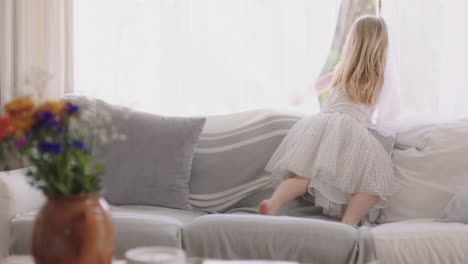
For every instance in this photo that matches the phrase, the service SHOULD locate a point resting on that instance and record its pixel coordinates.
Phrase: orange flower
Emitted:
(22, 123)
(5, 126)
(55, 108)
(20, 105)
(21, 115)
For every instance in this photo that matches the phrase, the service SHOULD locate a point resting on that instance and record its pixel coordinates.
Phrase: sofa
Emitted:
(430, 167)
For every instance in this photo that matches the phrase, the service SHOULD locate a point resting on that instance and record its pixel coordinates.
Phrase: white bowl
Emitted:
(155, 255)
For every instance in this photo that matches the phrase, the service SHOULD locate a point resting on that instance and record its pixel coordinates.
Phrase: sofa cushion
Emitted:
(134, 226)
(154, 160)
(13, 187)
(152, 166)
(412, 131)
(421, 241)
(269, 237)
(457, 209)
(428, 178)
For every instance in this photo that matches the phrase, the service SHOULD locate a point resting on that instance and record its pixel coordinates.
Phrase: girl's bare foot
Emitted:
(286, 191)
(266, 208)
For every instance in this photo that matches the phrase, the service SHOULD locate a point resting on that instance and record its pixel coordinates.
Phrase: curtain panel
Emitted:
(202, 57)
(36, 49)
(432, 43)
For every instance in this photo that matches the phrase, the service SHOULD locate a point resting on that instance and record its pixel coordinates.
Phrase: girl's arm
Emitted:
(323, 84)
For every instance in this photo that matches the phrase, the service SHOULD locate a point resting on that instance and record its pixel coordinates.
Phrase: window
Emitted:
(198, 57)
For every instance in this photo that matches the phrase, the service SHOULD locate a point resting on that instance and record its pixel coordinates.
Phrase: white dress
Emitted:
(335, 149)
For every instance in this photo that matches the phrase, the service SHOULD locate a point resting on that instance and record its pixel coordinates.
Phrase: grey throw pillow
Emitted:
(457, 208)
(152, 166)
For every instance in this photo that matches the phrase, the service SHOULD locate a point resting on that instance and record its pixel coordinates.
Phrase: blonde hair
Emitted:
(362, 65)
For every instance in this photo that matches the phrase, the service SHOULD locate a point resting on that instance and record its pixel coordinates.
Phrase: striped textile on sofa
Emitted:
(228, 165)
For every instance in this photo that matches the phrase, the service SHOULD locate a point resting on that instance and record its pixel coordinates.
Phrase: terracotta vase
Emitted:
(74, 229)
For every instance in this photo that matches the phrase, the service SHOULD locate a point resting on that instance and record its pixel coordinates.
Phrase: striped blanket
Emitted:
(228, 166)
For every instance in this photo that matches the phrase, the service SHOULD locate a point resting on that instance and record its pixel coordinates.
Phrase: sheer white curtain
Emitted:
(389, 107)
(35, 49)
(190, 57)
(433, 43)
(453, 93)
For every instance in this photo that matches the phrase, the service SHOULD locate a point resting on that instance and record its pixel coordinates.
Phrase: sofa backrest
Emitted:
(430, 169)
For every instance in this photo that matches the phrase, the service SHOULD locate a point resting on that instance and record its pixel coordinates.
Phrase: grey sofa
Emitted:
(223, 223)
(227, 236)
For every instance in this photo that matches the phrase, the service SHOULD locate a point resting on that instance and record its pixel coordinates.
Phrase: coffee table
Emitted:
(28, 260)
(24, 259)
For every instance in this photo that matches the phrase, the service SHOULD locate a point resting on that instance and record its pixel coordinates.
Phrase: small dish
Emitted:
(155, 255)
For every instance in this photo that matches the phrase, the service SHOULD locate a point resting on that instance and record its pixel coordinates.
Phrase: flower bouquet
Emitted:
(74, 225)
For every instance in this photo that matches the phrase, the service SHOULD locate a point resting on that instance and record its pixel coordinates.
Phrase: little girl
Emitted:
(332, 155)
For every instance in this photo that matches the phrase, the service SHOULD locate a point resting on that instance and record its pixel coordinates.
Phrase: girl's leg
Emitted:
(288, 190)
(358, 207)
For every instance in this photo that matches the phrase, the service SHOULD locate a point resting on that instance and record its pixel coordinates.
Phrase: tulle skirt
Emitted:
(340, 156)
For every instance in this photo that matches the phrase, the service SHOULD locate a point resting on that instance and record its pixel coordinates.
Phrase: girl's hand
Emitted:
(323, 84)
(297, 99)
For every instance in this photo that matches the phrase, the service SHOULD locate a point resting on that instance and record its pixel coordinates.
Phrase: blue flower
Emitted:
(43, 118)
(47, 121)
(80, 145)
(71, 108)
(51, 147)
(45, 115)
(60, 129)
(51, 124)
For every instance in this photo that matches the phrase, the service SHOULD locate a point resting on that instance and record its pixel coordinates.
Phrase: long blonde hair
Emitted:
(362, 65)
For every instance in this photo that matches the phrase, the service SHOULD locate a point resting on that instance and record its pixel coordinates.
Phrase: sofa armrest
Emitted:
(16, 196)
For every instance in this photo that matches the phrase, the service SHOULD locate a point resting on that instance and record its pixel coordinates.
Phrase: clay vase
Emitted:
(75, 229)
